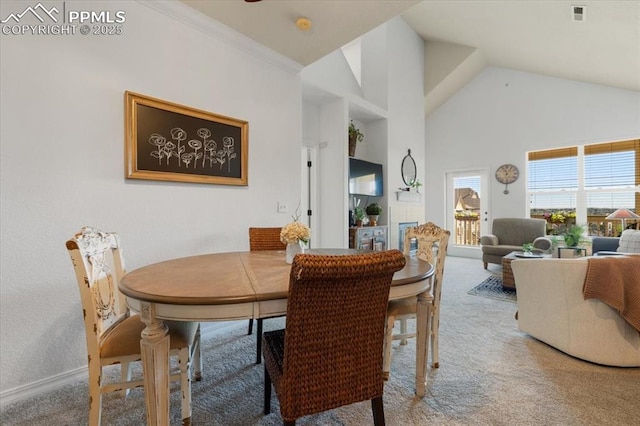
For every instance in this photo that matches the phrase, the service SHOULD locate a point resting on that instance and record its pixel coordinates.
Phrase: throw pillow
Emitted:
(629, 241)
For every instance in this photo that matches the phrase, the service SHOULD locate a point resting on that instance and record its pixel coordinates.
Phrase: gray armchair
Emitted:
(509, 234)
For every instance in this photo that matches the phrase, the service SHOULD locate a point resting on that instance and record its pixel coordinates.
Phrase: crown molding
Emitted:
(197, 20)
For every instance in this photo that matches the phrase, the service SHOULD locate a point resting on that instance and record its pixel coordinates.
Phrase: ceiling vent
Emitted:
(579, 13)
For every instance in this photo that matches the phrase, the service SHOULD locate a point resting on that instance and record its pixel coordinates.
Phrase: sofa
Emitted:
(551, 308)
(509, 234)
(628, 242)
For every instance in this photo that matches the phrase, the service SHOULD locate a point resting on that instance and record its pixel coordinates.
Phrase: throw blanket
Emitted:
(615, 281)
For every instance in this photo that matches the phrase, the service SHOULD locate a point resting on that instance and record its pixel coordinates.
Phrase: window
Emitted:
(591, 180)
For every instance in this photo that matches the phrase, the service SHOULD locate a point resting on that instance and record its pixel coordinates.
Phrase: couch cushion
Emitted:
(500, 250)
(629, 241)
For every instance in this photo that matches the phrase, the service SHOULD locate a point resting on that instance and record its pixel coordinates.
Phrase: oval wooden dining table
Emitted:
(234, 286)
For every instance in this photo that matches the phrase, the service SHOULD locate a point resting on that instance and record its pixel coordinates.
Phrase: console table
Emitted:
(369, 238)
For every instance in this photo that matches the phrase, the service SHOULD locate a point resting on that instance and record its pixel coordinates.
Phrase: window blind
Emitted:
(611, 178)
(555, 169)
(612, 165)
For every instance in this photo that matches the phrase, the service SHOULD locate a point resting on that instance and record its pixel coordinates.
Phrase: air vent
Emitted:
(579, 13)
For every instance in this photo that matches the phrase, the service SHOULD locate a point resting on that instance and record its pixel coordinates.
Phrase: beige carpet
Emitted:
(490, 374)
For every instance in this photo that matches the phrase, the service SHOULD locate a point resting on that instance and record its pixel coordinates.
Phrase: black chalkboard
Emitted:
(167, 141)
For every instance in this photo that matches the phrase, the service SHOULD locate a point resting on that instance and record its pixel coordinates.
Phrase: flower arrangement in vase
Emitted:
(294, 235)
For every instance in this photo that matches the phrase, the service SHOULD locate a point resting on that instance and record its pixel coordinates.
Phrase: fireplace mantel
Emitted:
(409, 196)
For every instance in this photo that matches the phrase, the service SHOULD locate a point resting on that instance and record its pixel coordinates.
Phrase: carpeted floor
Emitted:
(490, 374)
(492, 288)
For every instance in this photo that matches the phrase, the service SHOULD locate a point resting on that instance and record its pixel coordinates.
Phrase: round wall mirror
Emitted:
(409, 171)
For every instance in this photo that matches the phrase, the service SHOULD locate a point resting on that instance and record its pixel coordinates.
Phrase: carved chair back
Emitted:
(99, 266)
(432, 247)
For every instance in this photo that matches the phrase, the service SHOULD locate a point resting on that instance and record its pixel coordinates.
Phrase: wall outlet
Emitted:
(282, 207)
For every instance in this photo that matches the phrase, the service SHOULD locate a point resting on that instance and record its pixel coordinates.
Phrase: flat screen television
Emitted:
(365, 178)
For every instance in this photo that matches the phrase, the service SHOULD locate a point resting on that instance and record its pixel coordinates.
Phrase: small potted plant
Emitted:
(416, 185)
(358, 216)
(355, 136)
(527, 249)
(373, 211)
(573, 235)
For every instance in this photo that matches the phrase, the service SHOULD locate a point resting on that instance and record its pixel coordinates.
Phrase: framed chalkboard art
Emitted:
(170, 142)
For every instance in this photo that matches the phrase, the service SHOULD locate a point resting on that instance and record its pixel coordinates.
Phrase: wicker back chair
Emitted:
(330, 353)
(432, 247)
(113, 335)
(263, 239)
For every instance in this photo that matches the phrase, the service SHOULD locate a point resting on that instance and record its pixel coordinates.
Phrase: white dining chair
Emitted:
(432, 244)
(112, 333)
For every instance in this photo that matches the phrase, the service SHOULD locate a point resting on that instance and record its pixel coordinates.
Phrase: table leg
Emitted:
(154, 347)
(422, 342)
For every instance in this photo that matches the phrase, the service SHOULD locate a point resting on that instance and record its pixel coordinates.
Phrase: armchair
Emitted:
(552, 308)
(509, 234)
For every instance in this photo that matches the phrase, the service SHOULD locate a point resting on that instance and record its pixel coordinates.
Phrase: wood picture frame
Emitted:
(170, 142)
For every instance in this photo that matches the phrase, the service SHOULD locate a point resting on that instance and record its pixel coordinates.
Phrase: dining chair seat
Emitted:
(124, 339)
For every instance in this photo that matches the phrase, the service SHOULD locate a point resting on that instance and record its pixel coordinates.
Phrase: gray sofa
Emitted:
(628, 242)
(604, 244)
(509, 234)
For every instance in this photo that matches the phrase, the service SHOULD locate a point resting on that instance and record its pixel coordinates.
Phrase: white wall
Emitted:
(406, 123)
(391, 115)
(62, 166)
(502, 114)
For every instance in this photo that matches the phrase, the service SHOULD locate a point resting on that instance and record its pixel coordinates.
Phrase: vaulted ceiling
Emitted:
(528, 35)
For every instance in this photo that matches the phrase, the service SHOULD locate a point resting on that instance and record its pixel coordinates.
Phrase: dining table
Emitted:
(234, 286)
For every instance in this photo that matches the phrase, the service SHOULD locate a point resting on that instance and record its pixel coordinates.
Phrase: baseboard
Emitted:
(207, 330)
(42, 386)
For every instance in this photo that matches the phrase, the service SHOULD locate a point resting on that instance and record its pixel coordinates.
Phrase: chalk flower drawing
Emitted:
(205, 149)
